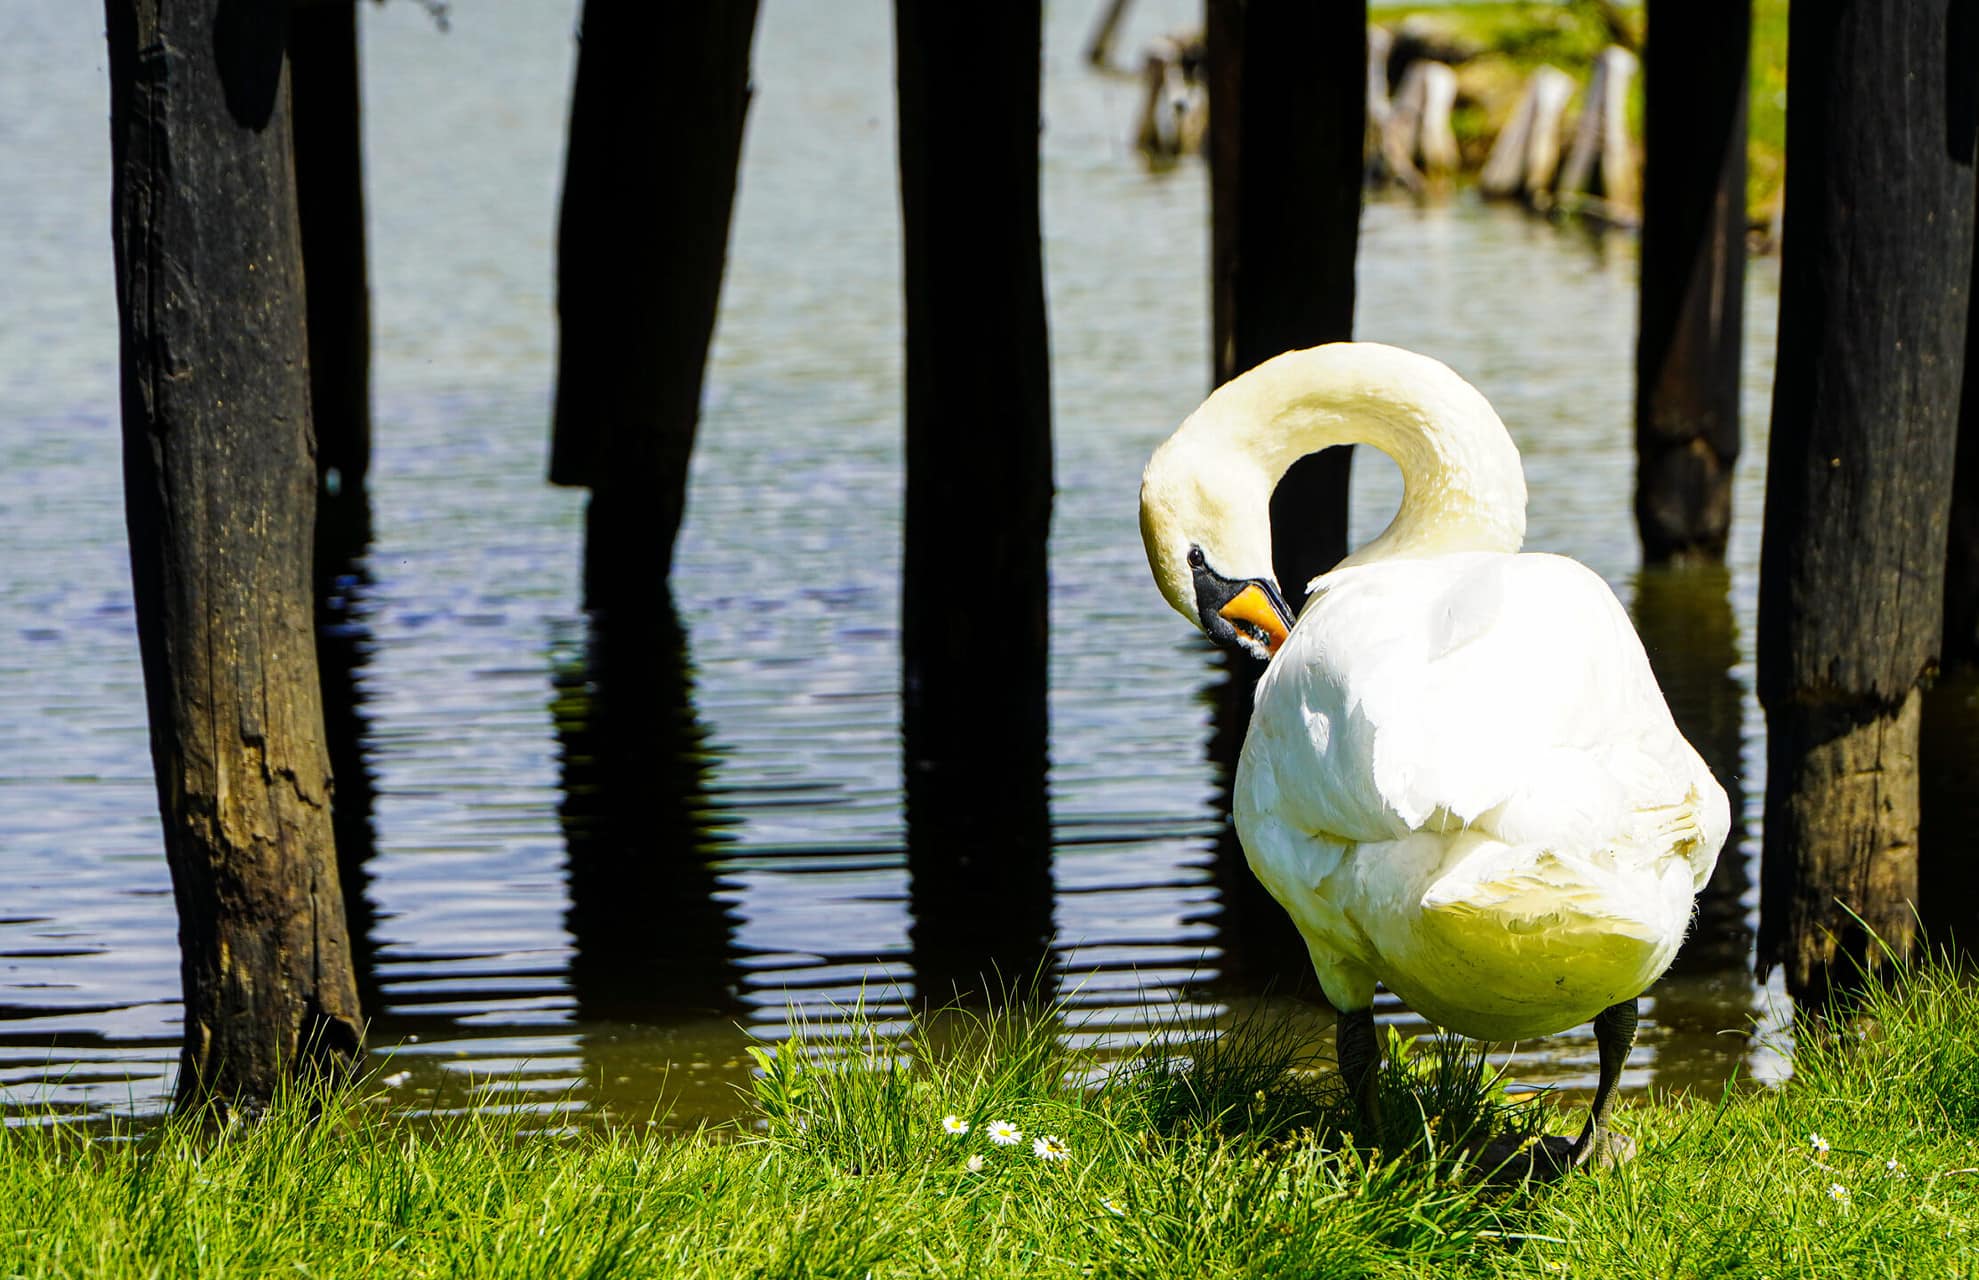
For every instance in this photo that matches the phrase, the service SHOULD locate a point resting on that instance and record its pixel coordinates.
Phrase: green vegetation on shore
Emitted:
(1221, 1159)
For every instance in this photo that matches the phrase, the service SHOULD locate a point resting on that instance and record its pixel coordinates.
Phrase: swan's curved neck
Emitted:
(1463, 487)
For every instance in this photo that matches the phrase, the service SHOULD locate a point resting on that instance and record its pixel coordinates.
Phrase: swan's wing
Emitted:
(1505, 693)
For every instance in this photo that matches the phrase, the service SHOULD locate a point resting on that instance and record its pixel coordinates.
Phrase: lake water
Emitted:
(502, 964)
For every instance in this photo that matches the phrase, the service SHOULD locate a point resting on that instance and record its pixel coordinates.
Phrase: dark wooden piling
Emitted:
(979, 488)
(329, 183)
(220, 497)
(1873, 308)
(1288, 124)
(1693, 276)
(656, 121)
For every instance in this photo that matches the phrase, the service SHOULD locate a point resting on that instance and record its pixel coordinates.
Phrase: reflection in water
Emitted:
(651, 936)
(1947, 871)
(979, 843)
(1262, 949)
(1684, 615)
(343, 650)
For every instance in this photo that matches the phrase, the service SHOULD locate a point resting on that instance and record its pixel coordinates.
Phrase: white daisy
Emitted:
(955, 1125)
(1005, 1134)
(1049, 1147)
(1838, 1193)
(1106, 1203)
(1818, 1143)
(1893, 1167)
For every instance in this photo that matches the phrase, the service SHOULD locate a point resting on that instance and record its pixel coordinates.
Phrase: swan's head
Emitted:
(1206, 525)
(1206, 495)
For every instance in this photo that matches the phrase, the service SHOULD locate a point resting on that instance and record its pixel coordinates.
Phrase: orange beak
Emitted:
(1252, 608)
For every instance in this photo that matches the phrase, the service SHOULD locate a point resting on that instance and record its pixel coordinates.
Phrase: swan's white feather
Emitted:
(1475, 742)
(1461, 778)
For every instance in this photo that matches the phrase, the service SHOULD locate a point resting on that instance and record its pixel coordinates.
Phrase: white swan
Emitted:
(1461, 778)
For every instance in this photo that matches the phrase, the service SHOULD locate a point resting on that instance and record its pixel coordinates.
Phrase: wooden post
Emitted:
(1527, 150)
(220, 494)
(329, 183)
(1873, 311)
(1099, 46)
(1601, 148)
(1692, 295)
(979, 489)
(649, 183)
(1418, 123)
(1288, 124)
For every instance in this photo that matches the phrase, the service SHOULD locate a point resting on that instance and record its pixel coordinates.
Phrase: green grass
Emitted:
(1208, 1158)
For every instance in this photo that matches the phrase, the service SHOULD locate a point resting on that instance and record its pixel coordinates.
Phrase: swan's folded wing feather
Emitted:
(1505, 693)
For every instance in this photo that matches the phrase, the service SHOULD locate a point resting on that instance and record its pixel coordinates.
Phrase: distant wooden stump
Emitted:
(1602, 156)
(1417, 126)
(1523, 160)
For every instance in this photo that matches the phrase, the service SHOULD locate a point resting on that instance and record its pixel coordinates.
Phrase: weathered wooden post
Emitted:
(220, 494)
(1692, 295)
(1873, 309)
(1526, 155)
(979, 491)
(1601, 147)
(637, 824)
(329, 183)
(1099, 45)
(1288, 124)
(649, 184)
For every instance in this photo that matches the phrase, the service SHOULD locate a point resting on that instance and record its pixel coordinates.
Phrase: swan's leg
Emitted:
(1614, 1032)
(1360, 1060)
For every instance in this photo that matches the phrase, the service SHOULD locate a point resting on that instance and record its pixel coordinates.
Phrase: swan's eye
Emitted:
(1196, 560)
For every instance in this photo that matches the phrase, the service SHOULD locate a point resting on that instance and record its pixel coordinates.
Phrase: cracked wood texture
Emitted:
(1877, 262)
(1693, 276)
(1288, 126)
(220, 486)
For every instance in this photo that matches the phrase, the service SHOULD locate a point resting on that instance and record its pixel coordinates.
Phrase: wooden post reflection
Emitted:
(343, 651)
(1948, 809)
(1684, 616)
(651, 934)
(1260, 944)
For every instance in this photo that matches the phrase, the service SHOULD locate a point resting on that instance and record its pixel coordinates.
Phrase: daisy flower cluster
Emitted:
(1818, 1149)
(1002, 1133)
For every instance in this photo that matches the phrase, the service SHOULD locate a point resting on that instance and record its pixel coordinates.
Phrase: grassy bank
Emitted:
(1510, 40)
(1227, 1162)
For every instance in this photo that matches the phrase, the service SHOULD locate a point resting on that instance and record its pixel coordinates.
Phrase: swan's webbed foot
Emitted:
(1598, 1145)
